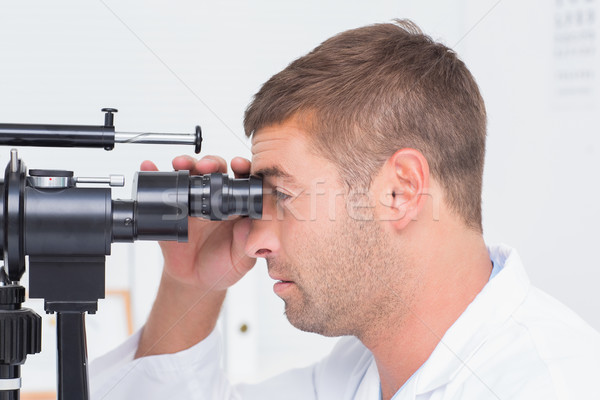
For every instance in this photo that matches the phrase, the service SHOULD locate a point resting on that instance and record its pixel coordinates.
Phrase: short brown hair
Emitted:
(370, 91)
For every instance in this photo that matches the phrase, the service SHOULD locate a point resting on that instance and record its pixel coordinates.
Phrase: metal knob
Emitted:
(50, 178)
(109, 117)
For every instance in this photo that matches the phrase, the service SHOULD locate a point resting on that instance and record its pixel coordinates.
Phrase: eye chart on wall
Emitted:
(576, 45)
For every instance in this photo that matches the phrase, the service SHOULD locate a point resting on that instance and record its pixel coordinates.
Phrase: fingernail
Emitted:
(212, 160)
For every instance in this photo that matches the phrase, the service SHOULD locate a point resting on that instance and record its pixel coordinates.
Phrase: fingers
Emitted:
(210, 164)
(240, 167)
(206, 165)
(241, 261)
(183, 163)
(148, 166)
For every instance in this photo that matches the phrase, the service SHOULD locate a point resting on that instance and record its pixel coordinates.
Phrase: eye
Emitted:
(280, 196)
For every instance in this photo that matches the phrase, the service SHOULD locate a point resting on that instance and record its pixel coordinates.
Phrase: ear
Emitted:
(405, 184)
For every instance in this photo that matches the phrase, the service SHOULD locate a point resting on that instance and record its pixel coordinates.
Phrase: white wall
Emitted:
(537, 65)
(170, 66)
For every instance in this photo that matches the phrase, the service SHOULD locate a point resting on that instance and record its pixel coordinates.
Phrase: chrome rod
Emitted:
(155, 138)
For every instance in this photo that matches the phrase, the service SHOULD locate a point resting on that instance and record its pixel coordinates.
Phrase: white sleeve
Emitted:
(194, 373)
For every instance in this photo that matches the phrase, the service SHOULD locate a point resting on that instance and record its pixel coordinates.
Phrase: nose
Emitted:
(263, 239)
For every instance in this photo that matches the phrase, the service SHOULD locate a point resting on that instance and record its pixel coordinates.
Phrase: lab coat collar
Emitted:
(496, 302)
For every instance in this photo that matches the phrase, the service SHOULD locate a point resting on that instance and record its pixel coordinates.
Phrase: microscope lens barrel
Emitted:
(123, 227)
(60, 221)
(161, 207)
(216, 197)
(2, 219)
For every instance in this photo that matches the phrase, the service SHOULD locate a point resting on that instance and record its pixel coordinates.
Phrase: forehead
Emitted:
(282, 151)
(272, 140)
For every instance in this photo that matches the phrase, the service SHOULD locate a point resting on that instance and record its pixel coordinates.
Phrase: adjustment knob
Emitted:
(50, 178)
(20, 328)
(109, 117)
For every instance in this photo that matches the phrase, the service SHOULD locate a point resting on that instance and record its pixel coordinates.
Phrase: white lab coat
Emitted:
(513, 342)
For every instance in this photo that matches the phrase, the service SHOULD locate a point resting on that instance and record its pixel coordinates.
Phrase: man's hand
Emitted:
(213, 259)
(197, 273)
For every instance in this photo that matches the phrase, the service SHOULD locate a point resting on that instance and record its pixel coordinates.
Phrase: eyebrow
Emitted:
(274, 171)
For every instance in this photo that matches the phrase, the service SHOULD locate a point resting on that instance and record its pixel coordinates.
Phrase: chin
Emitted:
(308, 322)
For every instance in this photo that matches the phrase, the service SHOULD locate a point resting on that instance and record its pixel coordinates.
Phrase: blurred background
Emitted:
(170, 66)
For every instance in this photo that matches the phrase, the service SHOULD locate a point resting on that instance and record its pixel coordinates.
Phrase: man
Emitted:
(371, 148)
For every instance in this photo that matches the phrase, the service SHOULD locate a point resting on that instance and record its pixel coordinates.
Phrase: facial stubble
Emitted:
(349, 280)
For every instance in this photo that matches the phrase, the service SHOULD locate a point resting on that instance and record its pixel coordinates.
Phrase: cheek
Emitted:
(300, 239)
(306, 241)
(310, 224)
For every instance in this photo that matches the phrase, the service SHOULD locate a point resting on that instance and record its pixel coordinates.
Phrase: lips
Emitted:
(282, 284)
(280, 287)
(283, 281)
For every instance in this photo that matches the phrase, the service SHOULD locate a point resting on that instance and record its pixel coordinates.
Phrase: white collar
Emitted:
(496, 302)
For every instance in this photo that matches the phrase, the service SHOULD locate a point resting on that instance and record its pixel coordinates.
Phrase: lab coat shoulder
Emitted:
(337, 376)
(564, 342)
(543, 351)
(194, 373)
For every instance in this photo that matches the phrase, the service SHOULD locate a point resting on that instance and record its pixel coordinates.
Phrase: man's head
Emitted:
(375, 110)
(368, 92)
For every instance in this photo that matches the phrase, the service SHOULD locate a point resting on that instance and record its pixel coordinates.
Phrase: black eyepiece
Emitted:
(164, 200)
(216, 197)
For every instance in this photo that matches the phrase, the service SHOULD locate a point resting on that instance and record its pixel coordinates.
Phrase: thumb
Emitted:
(241, 261)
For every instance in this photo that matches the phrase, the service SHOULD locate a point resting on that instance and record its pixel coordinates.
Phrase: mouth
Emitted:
(281, 286)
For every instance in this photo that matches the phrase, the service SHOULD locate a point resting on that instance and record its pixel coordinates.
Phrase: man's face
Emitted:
(332, 268)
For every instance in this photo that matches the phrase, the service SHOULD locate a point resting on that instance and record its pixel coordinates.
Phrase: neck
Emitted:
(450, 274)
